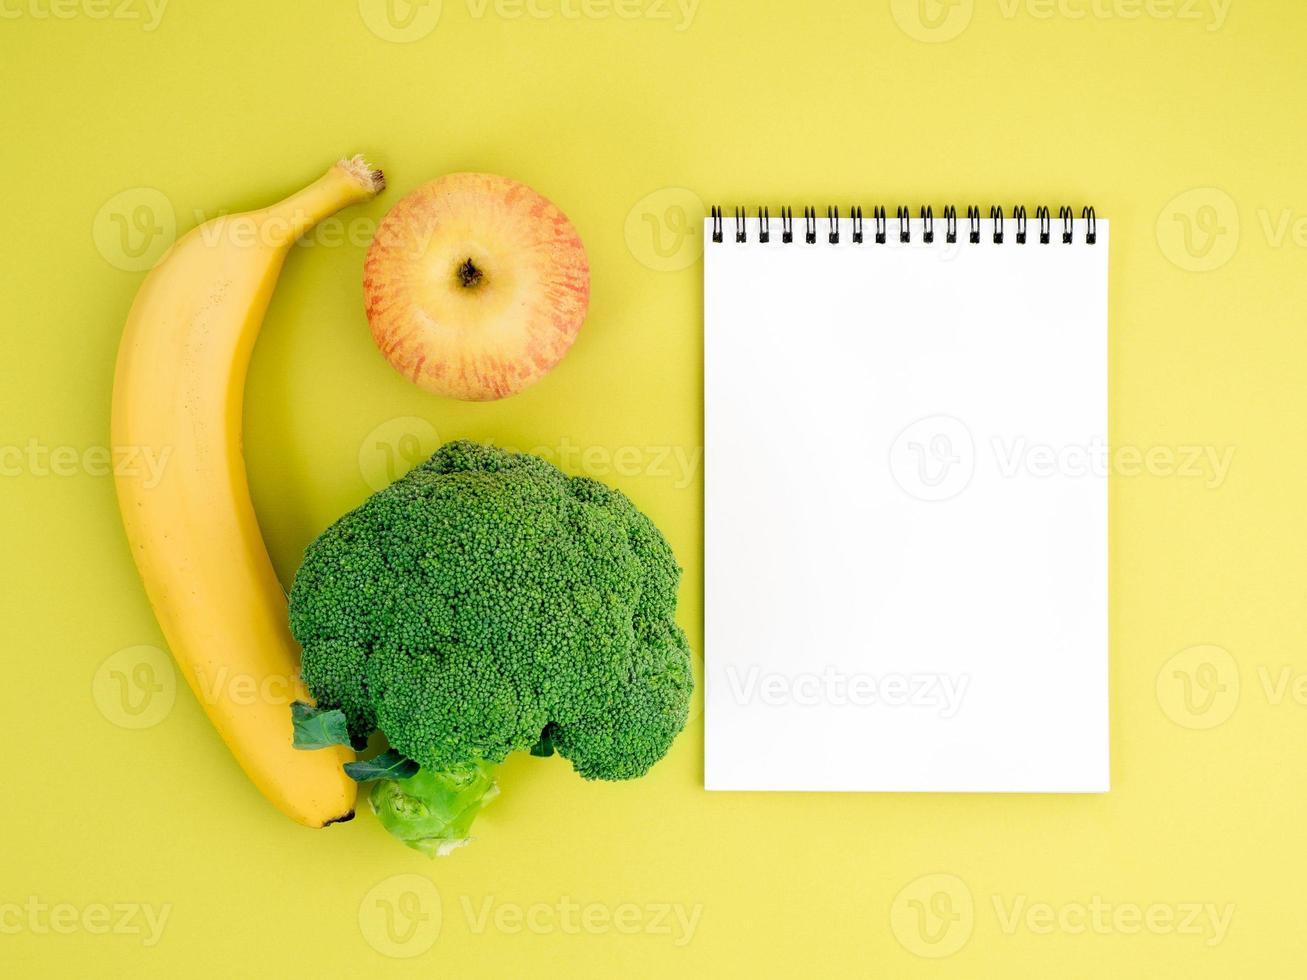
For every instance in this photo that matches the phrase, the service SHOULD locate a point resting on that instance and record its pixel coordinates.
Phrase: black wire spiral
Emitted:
(1043, 220)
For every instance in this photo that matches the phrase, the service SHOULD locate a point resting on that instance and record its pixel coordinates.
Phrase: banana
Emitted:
(178, 393)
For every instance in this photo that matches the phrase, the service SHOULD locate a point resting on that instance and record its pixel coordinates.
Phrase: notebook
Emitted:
(906, 501)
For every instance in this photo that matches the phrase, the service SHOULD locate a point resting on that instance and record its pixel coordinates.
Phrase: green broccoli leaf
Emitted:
(545, 747)
(318, 729)
(389, 765)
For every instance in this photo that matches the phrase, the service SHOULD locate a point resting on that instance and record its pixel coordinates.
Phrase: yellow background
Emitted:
(224, 106)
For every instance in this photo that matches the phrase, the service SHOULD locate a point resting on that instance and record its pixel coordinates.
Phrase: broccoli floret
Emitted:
(487, 603)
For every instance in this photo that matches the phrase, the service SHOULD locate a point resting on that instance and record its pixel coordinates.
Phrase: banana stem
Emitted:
(348, 182)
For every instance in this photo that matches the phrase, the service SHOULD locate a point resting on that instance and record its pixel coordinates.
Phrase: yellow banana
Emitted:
(178, 394)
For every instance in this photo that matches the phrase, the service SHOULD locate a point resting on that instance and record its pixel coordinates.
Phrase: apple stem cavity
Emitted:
(469, 275)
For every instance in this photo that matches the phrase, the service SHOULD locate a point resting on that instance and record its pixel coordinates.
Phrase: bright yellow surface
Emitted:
(1166, 115)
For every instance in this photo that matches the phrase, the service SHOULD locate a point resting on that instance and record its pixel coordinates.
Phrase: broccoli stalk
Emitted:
(433, 811)
(487, 603)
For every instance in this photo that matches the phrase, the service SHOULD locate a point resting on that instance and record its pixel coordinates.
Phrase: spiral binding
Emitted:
(879, 221)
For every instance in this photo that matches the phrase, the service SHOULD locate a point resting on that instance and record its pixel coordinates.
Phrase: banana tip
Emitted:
(343, 818)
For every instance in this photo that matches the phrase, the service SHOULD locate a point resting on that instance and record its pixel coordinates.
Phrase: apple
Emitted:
(475, 286)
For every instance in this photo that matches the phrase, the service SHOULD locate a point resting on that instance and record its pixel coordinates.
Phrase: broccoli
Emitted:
(487, 603)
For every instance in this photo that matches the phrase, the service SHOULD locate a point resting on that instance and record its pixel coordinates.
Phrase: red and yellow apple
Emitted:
(475, 286)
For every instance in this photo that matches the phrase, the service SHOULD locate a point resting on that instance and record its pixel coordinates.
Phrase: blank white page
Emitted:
(906, 511)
